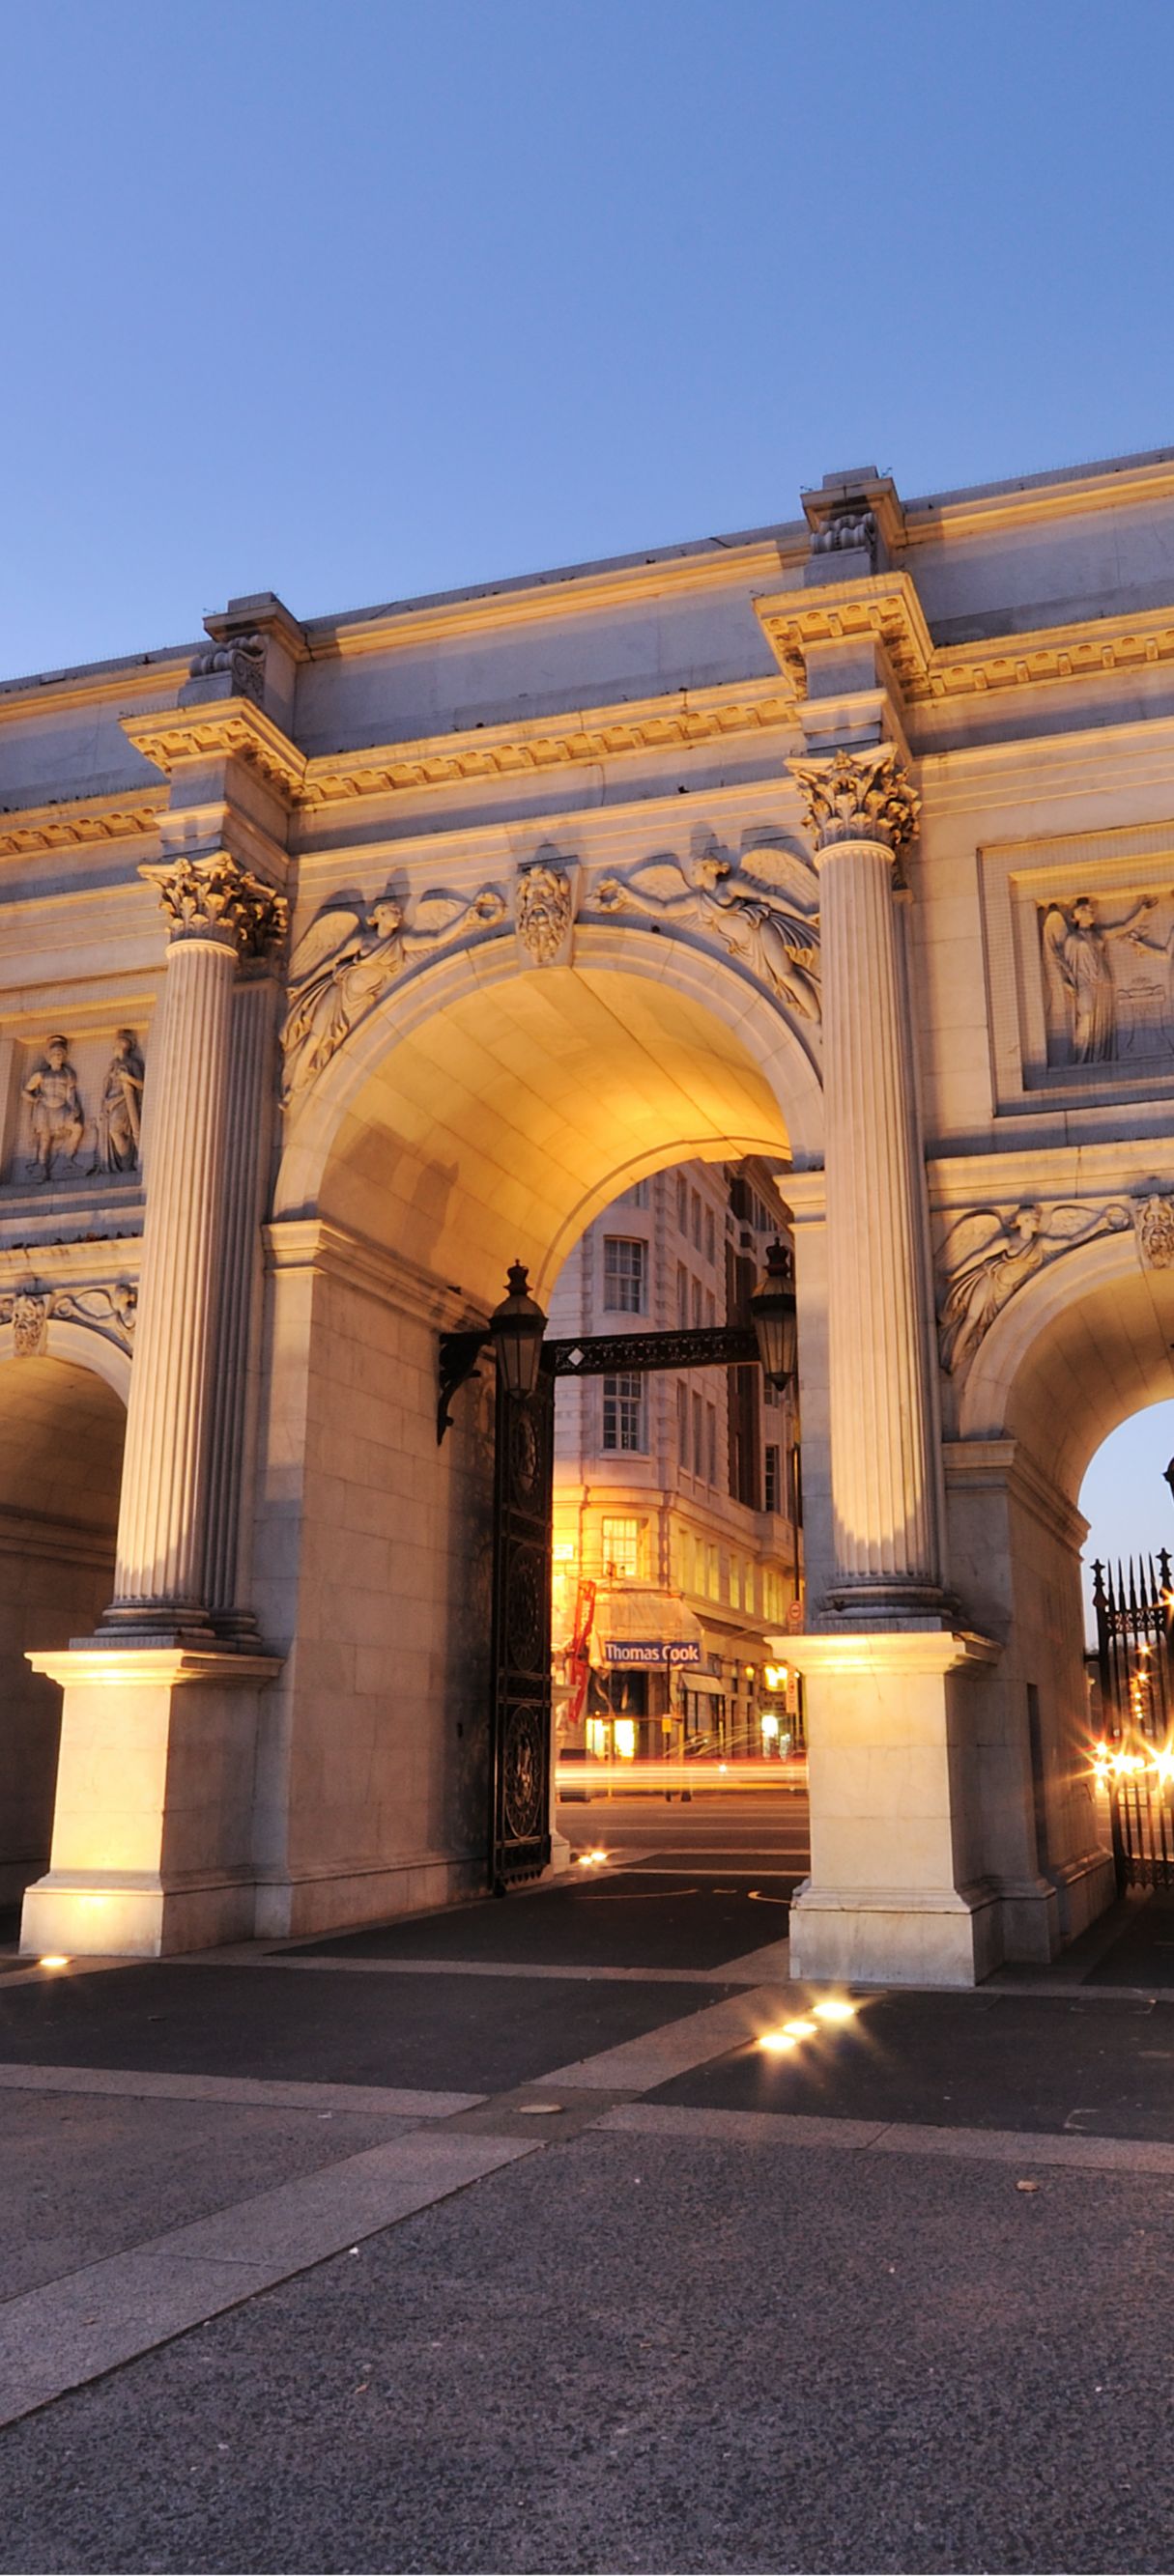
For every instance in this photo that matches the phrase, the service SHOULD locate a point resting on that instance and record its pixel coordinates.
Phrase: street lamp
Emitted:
(772, 1308)
(517, 1327)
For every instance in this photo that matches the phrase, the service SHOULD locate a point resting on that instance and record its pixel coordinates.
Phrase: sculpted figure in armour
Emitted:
(120, 1107)
(345, 961)
(985, 1258)
(733, 903)
(57, 1120)
(1076, 954)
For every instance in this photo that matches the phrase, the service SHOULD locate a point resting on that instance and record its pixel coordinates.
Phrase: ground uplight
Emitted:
(53, 1959)
(834, 2008)
(800, 2029)
(777, 2042)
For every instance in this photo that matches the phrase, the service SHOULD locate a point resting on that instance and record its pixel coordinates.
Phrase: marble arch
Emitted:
(851, 839)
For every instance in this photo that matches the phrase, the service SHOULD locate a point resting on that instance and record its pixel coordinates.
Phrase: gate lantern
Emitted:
(517, 1327)
(773, 1310)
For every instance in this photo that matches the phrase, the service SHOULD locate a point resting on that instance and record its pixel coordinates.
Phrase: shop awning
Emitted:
(707, 1683)
(643, 1627)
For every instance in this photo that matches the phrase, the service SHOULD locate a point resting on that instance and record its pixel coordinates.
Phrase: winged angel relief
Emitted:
(740, 903)
(344, 962)
(986, 1257)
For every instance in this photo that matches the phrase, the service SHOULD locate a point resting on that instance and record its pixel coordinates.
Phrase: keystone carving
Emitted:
(215, 899)
(544, 911)
(858, 796)
(344, 963)
(107, 1310)
(57, 1117)
(740, 904)
(985, 1258)
(1154, 1221)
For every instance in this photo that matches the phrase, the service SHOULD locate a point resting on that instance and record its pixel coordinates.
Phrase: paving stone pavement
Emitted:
(431, 2251)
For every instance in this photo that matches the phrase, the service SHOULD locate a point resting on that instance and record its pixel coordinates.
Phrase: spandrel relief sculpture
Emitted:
(1108, 981)
(345, 962)
(110, 1309)
(986, 1257)
(739, 902)
(55, 1108)
(120, 1107)
(544, 911)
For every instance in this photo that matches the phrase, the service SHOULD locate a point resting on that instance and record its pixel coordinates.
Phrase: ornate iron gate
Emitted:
(520, 1721)
(1134, 1612)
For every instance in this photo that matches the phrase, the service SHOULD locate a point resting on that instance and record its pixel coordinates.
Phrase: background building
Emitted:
(677, 1511)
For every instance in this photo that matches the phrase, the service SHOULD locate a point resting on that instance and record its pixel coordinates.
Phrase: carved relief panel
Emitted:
(1080, 949)
(72, 1103)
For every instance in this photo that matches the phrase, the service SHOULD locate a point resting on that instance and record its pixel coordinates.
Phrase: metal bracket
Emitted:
(459, 1353)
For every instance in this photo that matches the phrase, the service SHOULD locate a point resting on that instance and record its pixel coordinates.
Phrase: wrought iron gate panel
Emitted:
(520, 1711)
(1134, 1613)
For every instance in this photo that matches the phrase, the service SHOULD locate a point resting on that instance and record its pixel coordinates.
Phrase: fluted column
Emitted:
(862, 811)
(217, 912)
(252, 1089)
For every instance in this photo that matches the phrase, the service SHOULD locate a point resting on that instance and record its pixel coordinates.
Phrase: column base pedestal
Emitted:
(152, 1827)
(895, 1895)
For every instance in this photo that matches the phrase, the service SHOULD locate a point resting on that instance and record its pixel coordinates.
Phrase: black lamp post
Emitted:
(517, 1327)
(772, 1309)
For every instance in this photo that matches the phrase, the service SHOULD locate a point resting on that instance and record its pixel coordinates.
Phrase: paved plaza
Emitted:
(496, 2241)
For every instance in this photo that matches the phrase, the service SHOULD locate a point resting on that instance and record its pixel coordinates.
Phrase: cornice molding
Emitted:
(684, 721)
(218, 729)
(884, 609)
(572, 594)
(985, 512)
(80, 823)
(335, 1251)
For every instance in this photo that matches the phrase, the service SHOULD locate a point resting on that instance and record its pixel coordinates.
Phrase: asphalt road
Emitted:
(767, 1831)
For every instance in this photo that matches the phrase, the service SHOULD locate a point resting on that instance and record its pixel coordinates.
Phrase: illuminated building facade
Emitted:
(677, 1498)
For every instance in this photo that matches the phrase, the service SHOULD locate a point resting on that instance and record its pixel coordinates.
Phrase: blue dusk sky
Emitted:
(357, 299)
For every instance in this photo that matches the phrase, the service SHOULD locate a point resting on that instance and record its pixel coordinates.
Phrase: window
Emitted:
(682, 1204)
(697, 1305)
(621, 1547)
(713, 1576)
(774, 1490)
(710, 1308)
(623, 1412)
(624, 1264)
(637, 1196)
(682, 1297)
(710, 1238)
(697, 1465)
(696, 1204)
(682, 1422)
(711, 1443)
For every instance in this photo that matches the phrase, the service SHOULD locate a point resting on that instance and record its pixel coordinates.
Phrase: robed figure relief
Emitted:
(1107, 984)
(120, 1107)
(761, 907)
(986, 1257)
(345, 961)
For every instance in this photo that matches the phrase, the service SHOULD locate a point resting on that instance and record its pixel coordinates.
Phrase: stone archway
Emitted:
(487, 1121)
(62, 1425)
(1082, 1345)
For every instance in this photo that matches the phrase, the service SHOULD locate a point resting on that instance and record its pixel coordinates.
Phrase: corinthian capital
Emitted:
(215, 899)
(858, 796)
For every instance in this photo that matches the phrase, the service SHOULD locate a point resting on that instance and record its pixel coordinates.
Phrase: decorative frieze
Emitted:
(215, 898)
(858, 796)
(107, 1309)
(347, 959)
(987, 1256)
(743, 905)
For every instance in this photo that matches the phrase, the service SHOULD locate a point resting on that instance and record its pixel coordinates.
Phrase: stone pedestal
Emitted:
(152, 1824)
(891, 1898)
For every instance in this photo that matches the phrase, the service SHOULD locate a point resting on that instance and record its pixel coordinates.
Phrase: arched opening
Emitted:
(492, 1127)
(1083, 1346)
(1125, 1499)
(61, 1438)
